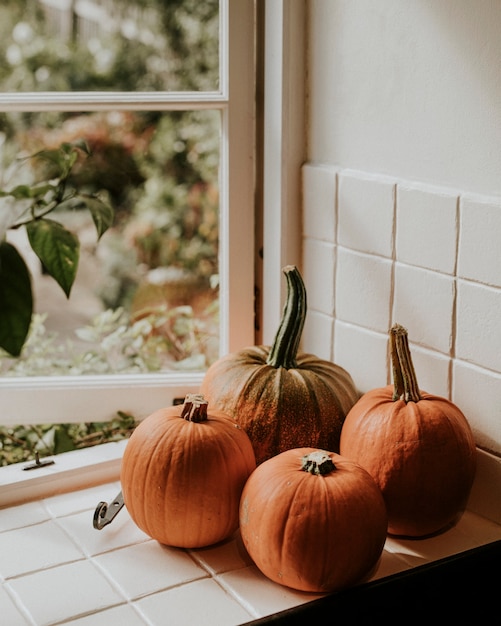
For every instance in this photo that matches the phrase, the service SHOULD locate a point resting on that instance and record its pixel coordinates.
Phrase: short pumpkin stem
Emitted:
(194, 408)
(283, 352)
(405, 385)
(318, 463)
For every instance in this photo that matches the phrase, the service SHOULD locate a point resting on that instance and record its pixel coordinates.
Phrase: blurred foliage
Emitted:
(159, 170)
(119, 343)
(23, 442)
(146, 45)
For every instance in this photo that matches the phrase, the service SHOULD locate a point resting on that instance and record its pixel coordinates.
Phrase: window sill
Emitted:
(60, 546)
(71, 471)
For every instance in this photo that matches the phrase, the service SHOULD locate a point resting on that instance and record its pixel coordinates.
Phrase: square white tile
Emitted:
(22, 515)
(81, 500)
(121, 532)
(363, 289)
(479, 255)
(200, 602)
(432, 370)
(363, 353)
(59, 593)
(161, 568)
(479, 325)
(426, 233)
(262, 595)
(226, 556)
(424, 304)
(35, 548)
(366, 214)
(477, 392)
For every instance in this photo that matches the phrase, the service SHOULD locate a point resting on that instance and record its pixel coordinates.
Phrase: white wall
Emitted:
(402, 194)
(409, 88)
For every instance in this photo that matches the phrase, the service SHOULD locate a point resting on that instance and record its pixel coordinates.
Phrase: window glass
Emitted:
(154, 272)
(145, 297)
(109, 45)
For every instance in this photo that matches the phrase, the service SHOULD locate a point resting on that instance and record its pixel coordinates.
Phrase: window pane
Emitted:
(146, 295)
(109, 45)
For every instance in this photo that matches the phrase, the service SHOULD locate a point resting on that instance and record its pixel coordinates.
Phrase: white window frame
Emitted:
(281, 143)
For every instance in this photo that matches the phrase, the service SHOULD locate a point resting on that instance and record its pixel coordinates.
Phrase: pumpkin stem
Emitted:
(283, 352)
(318, 463)
(194, 408)
(405, 385)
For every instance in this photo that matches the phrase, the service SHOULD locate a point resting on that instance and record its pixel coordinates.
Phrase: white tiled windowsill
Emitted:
(55, 568)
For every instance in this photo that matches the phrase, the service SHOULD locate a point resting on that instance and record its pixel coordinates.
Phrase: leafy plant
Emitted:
(28, 205)
(22, 443)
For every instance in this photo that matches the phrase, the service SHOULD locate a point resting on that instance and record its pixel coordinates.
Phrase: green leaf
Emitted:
(64, 157)
(81, 144)
(16, 299)
(62, 440)
(57, 248)
(20, 192)
(102, 213)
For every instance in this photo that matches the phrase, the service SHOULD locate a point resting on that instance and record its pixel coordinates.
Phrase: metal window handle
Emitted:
(105, 513)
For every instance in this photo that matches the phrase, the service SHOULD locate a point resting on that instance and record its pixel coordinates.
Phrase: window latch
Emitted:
(38, 463)
(105, 513)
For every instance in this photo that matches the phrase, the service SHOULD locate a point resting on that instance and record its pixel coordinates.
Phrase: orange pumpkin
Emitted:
(182, 474)
(283, 399)
(313, 520)
(417, 446)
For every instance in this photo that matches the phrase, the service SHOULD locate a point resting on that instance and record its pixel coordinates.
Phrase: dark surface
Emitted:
(464, 589)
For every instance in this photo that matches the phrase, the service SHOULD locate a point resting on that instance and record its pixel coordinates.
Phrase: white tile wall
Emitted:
(55, 568)
(426, 257)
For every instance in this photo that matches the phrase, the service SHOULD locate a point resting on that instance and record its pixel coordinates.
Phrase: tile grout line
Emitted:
(236, 596)
(18, 603)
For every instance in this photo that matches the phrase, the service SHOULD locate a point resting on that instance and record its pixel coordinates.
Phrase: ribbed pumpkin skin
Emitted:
(421, 454)
(281, 408)
(312, 533)
(182, 480)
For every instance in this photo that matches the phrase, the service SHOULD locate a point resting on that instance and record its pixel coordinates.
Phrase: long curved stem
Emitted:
(405, 385)
(285, 346)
